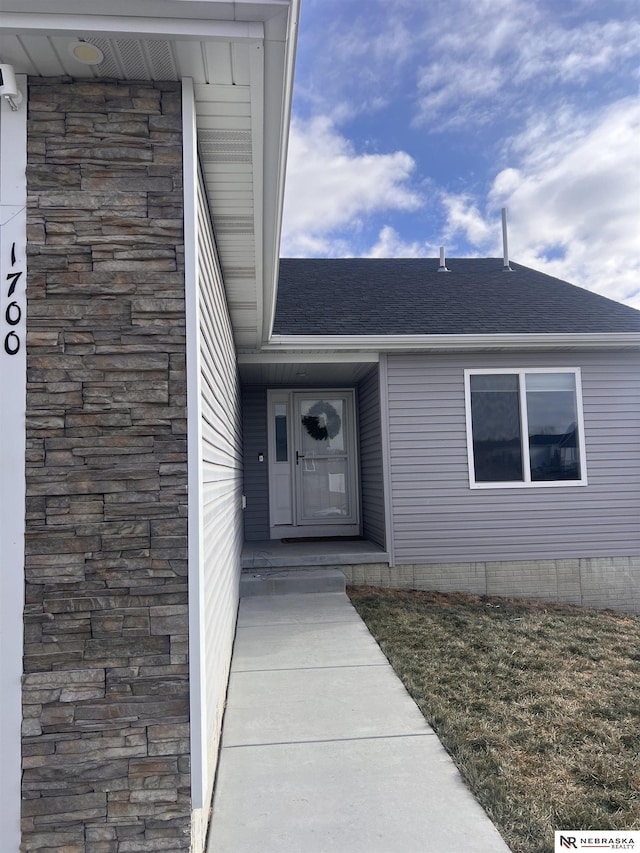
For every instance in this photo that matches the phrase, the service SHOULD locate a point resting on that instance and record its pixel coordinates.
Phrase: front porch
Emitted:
(326, 489)
(285, 566)
(265, 554)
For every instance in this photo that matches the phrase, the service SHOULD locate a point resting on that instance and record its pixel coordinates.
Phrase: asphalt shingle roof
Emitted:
(408, 296)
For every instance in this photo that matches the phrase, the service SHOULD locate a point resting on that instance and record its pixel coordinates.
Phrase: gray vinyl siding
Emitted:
(438, 518)
(256, 474)
(371, 476)
(221, 473)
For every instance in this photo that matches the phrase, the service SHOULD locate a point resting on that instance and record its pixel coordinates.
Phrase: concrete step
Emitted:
(291, 581)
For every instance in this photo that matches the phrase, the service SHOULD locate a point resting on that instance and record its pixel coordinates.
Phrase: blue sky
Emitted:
(416, 121)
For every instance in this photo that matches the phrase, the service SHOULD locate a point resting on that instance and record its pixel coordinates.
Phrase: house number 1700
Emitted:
(13, 311)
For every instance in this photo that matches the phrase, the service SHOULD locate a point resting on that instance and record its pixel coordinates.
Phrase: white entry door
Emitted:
(313, 482)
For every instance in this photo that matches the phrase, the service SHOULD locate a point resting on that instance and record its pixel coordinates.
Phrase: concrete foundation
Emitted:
(602, 582)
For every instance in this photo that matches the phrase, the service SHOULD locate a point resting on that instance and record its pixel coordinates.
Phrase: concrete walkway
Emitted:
(323, 749)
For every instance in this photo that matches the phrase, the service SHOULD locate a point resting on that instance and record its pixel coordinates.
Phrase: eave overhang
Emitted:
(449, 343)
(240, 57)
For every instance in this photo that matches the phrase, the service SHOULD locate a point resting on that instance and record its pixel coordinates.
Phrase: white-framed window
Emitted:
(525, 427)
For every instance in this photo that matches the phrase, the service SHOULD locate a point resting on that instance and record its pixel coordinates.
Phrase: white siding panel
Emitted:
(221, 477)
(221, 93)
(224, 184)
(439, 518)
(240, 54)
(225, 107)
(218, 62)
(225, 122)
(227, 171)
(52, 53)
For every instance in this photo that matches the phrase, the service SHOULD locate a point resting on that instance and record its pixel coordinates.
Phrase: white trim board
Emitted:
(437, 343)
(13, 366)
(111, 25)
(197, 692)
(383, 379)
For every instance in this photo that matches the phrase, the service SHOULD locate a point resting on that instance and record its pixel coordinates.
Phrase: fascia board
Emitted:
(392, 343)
(257, 10)
(259, 108)
(276, 145)
(111, 25)
(222, 10)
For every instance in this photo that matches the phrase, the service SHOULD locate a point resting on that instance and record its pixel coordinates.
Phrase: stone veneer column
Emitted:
(105, 697)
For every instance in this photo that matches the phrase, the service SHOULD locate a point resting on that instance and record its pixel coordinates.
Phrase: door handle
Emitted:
(299, 456)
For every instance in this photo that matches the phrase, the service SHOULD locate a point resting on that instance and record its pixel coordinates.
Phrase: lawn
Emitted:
(537, 703)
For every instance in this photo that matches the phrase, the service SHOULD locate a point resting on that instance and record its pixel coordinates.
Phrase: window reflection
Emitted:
(495, 412)
(282, 445)
(553, 426)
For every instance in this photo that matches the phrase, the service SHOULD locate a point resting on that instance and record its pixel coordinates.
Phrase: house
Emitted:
(172, 395)
(480, 425)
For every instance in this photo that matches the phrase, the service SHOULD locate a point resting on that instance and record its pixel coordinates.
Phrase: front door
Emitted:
(313, 482)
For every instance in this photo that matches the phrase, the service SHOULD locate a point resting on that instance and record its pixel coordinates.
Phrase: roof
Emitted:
(408, 296)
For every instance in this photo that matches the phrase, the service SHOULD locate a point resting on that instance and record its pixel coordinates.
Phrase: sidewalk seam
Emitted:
(311, 668)
(304, 624)
(329, 740)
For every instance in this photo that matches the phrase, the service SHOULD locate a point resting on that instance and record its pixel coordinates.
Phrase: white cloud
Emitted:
(356, 54)
(391, 245)
(331, 186)
(452, 93)
(463, 215)
(459, 62)
(573, 54)
(477, 70)
(574, 203)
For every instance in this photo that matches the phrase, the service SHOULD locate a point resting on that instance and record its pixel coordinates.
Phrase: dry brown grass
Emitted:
(537, 703)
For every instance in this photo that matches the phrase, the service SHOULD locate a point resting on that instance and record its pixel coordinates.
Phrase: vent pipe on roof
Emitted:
(505, 242)
(443, 266)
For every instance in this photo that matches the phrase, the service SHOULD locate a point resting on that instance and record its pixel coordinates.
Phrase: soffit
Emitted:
(221, 47)
(302, 373)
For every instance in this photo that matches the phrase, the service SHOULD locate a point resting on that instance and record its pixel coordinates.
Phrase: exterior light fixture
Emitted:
(85, 52)
(8, 87)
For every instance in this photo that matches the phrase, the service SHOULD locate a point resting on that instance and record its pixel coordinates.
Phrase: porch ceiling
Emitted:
(240, 58)
(305, 369)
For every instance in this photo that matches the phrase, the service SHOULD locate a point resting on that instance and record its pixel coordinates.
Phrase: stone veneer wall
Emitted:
(105, 696)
